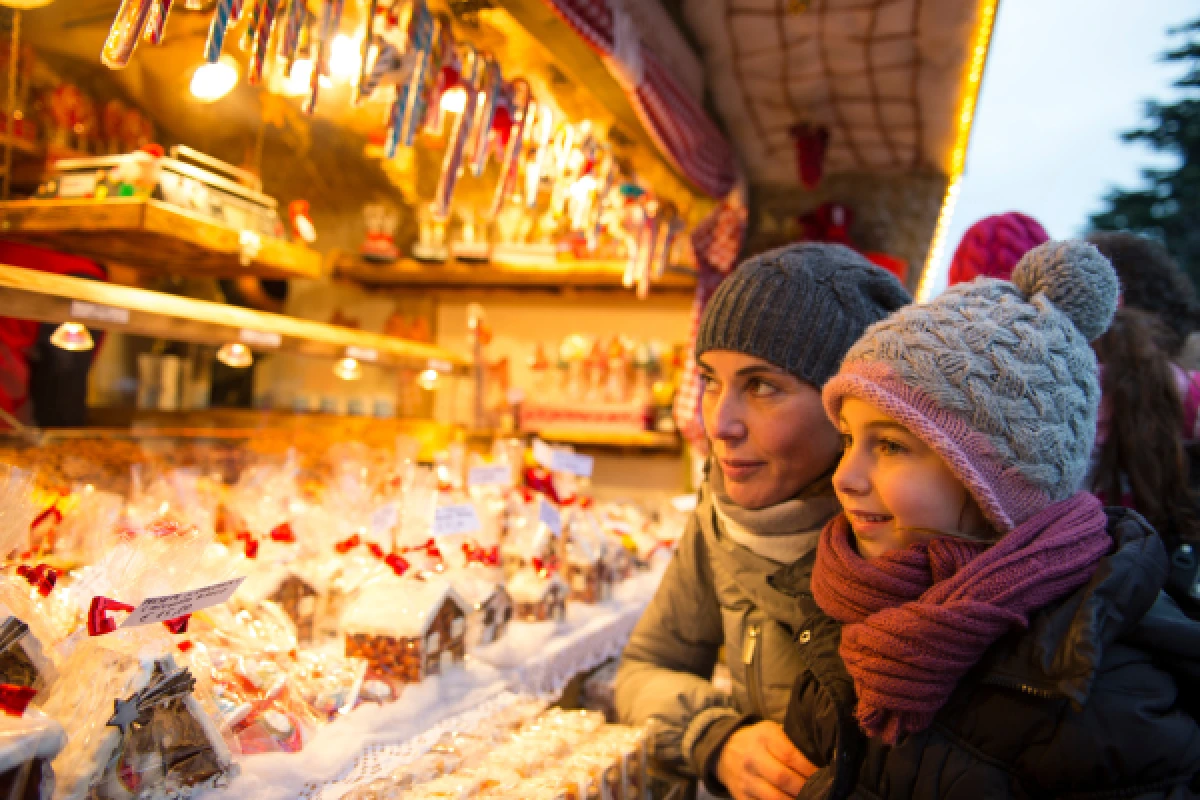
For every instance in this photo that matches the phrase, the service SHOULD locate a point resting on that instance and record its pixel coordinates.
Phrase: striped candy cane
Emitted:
(126, 30)
(157, 24)
(262, 40)
(331, 16)
(491, 84)
(452, 165)
(227, 11)
(360, 94)
(252, 11)
(523, 108)
(421, 32)
(395, 121)
(296, 14)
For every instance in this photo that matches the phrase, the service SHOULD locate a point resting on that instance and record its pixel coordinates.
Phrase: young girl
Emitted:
(978, 626)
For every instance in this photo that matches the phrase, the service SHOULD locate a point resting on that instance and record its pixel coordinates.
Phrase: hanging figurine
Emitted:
(331, 17)
(474, 64)
(126, 29)
(522, 108)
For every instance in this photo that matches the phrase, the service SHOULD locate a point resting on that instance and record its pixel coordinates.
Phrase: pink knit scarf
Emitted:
(917, 619)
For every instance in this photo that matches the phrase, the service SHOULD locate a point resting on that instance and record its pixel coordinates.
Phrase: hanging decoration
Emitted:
(811, 142)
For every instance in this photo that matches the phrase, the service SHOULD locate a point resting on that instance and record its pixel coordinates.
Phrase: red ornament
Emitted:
(15, 699)
(811, 143)
(282, 533)
(348, 544)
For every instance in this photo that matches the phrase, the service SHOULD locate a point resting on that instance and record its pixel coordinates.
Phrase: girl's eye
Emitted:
(890, 448)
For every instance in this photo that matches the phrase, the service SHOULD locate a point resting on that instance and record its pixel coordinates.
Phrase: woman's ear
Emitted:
(972, 523)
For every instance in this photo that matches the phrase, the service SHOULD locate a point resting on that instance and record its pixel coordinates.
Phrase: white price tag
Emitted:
(78, 185)
(684, 503)
(161, 609)
(369, 354)
(260, 338)
(444, 367)
(493, 475)
(97, 313)
(385, 518)
(549, 515)
(558, 460)
(458, 518)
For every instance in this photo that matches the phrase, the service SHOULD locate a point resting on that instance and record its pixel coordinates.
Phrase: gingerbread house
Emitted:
(407, 632)
(539, 595)
(589, 572)
(28, 744)
(527, 541)
(293, 591)
(490, 604)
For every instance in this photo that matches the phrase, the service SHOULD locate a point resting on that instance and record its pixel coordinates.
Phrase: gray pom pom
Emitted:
(1076, 279)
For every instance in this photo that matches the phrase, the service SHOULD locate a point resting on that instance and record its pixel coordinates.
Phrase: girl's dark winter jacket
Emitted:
(1096, 699)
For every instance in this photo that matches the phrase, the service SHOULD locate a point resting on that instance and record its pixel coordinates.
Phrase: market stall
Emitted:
(377, 317)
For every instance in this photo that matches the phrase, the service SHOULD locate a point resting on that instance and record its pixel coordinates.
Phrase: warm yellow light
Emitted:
(348, 369)
(983, 36)
(211, 82)
(427, 380)
(236, 355)
(454, 100)
(72, 336)
(345, 58)
(299, 80)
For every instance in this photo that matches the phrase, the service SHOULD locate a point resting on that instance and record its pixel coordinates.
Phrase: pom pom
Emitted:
(1076, 278)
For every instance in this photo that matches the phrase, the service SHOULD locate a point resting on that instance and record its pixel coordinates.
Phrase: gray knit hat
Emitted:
(799, 307)
(997, 377)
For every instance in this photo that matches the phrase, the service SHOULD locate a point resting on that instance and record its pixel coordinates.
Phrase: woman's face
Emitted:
(767, 428)
(894, 489)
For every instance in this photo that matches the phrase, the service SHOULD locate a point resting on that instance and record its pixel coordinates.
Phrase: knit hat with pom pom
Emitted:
(997, 377)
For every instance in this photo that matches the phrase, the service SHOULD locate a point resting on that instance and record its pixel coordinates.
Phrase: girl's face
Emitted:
(894, 489)
(767, 428)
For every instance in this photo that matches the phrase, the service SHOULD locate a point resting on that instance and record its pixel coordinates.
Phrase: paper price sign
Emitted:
(558, 460)
(160, 609)
(368, 354)
(548, 515)
(495, 475)
(98, 313)
(455, 519)
(260, 338)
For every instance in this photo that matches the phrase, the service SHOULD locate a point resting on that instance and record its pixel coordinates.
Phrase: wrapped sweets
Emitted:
(539, 595)
(28, 743)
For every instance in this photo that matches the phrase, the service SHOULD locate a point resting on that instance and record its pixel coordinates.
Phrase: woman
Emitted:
(773, 334)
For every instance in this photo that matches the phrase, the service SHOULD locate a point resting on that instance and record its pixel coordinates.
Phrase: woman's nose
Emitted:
(726, 418)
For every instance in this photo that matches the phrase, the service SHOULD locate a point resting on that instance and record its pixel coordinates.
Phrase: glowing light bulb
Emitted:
(299, 80)
(348, 369)
(236, 355)
(73, 337)
(454, 100)
(345, 58)
(211, 82)
(427, 380)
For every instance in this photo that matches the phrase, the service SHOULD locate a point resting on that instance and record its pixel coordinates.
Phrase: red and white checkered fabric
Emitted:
(678, 124)
(716, 242)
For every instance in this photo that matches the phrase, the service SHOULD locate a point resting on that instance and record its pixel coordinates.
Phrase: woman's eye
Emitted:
(890, 448)
(760, 388)
(707, 384)
(847, 441)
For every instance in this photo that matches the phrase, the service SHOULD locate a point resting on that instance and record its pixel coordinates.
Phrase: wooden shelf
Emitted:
(456, 274)
(56, 298)
(645, 441)
(151, 235)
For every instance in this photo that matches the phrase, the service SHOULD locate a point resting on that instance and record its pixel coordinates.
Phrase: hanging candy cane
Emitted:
(226, 14)
(254, 13)
(452, 165)
(126, 30)
(156, 26)
(262, 41)
(537, 164)
(360, 92)
(491, 83)
(423, 29)
(297, 13)
(523, 109)
(331, 17)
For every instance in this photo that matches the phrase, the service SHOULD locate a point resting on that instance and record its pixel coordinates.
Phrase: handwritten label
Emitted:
(369, 354)
(260, 338)
(556, 459)
(684, 503)
(548, 515)
(492, 475)
(455, 519)
(97, 313)
(161, 609)
(438, 364)
(385, 518)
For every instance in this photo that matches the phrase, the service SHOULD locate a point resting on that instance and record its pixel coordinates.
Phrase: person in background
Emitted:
(976, 624)
(41, 383)
(1152, 281)
(993, 246)
(1149, 417)
(773, 334)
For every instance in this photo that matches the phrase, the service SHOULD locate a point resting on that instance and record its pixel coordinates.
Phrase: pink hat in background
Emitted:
(993, 246)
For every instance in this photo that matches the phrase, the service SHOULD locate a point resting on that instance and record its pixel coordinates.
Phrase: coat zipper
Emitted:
(1044, 694)
(751, 661)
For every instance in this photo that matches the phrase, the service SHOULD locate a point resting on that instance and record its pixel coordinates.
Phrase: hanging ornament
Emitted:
(423, 30)
(262, 40)
(491, 84)
(331, 17)
(811, 143)
(289, 44)
(156, 26)
(473, 66)
(226, 14)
